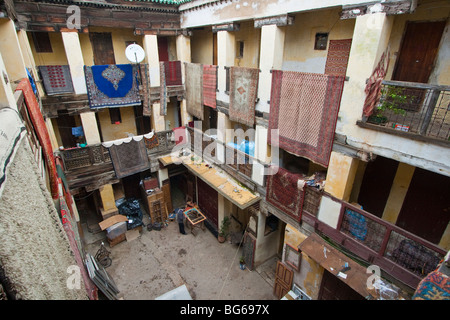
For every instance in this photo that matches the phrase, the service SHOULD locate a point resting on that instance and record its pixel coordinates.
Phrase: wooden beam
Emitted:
(280, 21)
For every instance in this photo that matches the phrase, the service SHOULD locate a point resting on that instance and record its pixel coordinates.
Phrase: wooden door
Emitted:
(418, 51)
(207, 201)
(426, 208)
(102, 47)
(283, 280)
(332, 288)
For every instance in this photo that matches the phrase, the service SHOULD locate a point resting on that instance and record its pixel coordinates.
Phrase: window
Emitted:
(321, 41)
(240, 49)
(42, 42)
(114, 114)
(292, 257)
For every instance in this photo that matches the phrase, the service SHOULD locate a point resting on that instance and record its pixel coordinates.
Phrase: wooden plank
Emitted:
(112, 221)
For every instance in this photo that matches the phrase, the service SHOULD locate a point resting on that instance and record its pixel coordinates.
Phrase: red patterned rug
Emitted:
(304, 108)
(209, 85)
(283, 193)
(172, 70)
(337, 57)
(243, 92)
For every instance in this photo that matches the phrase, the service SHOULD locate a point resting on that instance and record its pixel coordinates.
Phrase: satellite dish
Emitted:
(135, 53)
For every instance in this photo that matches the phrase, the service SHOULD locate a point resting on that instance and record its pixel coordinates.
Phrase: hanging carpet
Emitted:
(129, 155)
(243, 92)
(209, 85)
(56, 79)
(172, 72)
(304, 108)
(284, 194)
(114, 85)
(145, 86)
(337, 57)
(194, 89)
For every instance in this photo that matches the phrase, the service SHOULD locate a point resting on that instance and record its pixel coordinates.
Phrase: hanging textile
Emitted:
(152, 141)
(304, 108)
(194, 89)
(144, 81)
(37, 119)
(243, 92)
(56, 79)
(169, 75)
(283, 192)
(337, 57)
(373, 86)
(209, 85)
(172, 72)
(129, 155)
(114, 85)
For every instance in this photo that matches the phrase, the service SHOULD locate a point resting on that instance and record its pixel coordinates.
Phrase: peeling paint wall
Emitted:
(299, 54)
(309, 276)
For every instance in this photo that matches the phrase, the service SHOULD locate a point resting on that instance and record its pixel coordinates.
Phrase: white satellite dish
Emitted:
(135, 53)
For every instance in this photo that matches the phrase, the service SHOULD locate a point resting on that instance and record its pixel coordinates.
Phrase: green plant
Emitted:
(394, 100)
(225, 226)
(242, 260)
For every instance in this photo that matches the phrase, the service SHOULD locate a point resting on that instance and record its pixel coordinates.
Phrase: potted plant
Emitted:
(225, 226)
(242, 263)
(393, 99)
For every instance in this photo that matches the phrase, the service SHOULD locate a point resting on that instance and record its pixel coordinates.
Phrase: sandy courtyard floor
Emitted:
(159, 261)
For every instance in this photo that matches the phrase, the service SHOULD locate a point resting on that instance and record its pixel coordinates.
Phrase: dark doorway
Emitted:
(163, 49)
(334, 289)
(376, 185)
(65, 125)
(426, 208)
(102, 47)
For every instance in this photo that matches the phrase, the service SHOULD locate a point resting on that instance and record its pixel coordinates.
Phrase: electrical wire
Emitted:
(233, 261)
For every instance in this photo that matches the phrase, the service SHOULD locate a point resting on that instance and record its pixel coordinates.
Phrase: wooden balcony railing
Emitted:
(413, 109)
(97, 154)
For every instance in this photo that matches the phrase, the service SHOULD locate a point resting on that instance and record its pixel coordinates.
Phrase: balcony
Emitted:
(414, 110)
(91, 166)
(399, 253)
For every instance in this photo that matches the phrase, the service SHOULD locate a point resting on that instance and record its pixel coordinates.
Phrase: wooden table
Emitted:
(194, 218)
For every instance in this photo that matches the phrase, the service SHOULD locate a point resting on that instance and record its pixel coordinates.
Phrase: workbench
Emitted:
(195, 219)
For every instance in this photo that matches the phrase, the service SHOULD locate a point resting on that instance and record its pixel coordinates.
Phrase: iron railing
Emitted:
(418, 108)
